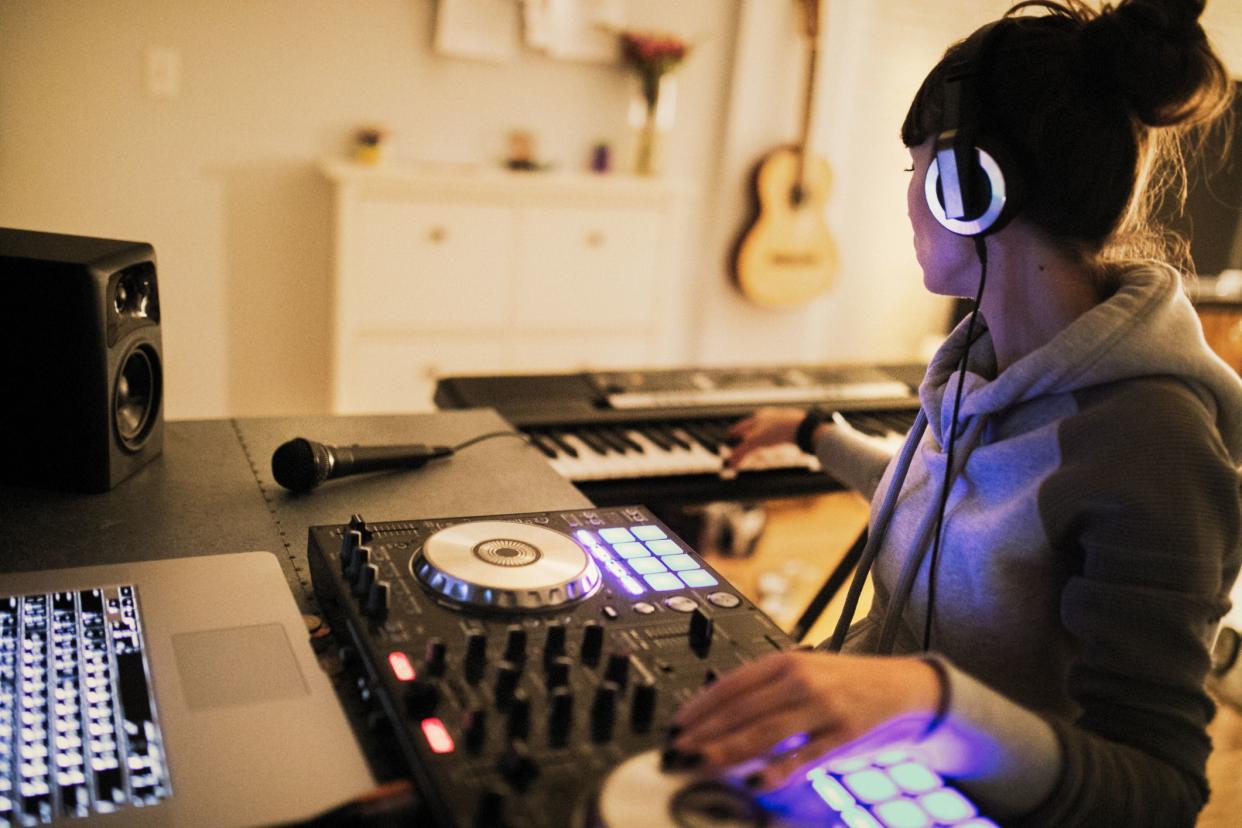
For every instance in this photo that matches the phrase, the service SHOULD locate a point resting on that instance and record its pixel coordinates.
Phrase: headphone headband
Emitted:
(966, 187)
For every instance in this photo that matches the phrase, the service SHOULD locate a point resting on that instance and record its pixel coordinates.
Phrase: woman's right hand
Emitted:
(766, 427)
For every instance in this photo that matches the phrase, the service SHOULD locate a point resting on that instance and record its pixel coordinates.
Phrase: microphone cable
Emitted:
(981, 250)
(525, 438)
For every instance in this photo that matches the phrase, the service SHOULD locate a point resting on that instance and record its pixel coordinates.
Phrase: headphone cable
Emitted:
(981, 250)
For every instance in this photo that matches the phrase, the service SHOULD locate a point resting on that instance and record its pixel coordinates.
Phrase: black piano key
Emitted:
(720, 429)
(559, 440)
(656, 435)
(537, 440)
(624, 436)
(671, 432)
(597, 445)
(701, 437)
(612, 439)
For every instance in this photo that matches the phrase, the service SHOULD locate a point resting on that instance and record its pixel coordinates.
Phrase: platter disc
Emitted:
(505, 564)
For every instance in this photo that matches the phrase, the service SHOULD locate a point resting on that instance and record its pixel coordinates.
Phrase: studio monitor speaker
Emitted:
(81, 360)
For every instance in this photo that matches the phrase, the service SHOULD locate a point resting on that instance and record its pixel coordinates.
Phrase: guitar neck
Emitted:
(811, 9)
(804, 140)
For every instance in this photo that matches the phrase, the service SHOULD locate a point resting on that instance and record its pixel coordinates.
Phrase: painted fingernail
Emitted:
(754, 781)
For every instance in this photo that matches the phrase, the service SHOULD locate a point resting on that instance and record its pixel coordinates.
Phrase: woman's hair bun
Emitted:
(1156, 57)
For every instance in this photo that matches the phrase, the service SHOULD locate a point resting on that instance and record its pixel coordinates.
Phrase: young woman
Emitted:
(1044, 610)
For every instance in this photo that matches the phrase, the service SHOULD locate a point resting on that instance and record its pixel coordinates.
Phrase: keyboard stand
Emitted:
(830, 588)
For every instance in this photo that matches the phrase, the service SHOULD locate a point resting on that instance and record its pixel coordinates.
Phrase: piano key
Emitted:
(701, 437)
(657, 436)
(559, 439)
(609, 437)
(624, 436)
(540, 443)
(594, 442)
(679, 439)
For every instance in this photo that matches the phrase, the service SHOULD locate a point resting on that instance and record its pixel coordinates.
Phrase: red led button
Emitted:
(401, 666)
(437, 735)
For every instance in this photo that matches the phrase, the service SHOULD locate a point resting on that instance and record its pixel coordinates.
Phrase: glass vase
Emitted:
(652, 110)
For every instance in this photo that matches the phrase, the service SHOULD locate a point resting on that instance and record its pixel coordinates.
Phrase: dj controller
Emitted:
(530, 666)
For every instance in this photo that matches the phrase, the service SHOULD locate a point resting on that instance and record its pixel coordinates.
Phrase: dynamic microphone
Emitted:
(300, 464)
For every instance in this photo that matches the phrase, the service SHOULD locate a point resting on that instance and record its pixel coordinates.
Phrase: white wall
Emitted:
(221, 179)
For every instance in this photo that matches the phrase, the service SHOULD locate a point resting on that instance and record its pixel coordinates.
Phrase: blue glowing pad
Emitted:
(831, 791)
(647, 565)
(858, 818)
(698, 578)
(664, 547)
(947, 805)
(912, 777)
(677, 563)
(632, 549)
(871, 786)
(663, 581)
(616, 535)
(902, 813)
(648, 532)
(891, 757)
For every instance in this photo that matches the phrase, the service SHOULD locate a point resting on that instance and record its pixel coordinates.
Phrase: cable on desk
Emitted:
(489, 436)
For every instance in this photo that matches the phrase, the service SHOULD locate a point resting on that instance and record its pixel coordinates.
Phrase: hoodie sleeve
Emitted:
(855, 459)
(1144, 510)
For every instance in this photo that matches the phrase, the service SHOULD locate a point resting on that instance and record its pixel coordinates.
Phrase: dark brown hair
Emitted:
(1094, 109)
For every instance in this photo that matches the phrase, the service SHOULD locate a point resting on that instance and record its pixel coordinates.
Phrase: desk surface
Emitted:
(212, 492)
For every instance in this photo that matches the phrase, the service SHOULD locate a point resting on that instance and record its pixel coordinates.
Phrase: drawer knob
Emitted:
(596, 238)
(437, 235)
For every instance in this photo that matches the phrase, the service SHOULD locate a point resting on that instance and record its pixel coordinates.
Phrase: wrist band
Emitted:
(942, 704)
(804, 437)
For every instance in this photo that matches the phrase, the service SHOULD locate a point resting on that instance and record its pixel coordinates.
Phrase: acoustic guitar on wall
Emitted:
(785, 255)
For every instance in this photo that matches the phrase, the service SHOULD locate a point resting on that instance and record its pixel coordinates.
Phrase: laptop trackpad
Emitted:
(237, 665)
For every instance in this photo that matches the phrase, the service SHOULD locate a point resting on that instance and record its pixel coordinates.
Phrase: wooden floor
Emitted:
(806, 537)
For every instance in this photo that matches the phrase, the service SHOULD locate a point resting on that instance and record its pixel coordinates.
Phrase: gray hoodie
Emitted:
(1091, 535)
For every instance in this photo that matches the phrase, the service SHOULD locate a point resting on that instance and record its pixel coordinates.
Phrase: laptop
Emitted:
(176, 692)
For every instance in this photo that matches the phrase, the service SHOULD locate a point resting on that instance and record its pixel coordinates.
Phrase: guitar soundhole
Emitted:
(797, 195)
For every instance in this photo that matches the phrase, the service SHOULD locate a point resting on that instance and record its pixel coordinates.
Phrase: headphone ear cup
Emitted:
(996, 200)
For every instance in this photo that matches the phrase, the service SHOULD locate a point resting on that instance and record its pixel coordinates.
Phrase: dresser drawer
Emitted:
(587, 268)
(394, 374)
(423, 266)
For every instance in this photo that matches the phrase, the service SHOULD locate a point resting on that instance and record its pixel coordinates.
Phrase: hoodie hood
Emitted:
(1147, 328)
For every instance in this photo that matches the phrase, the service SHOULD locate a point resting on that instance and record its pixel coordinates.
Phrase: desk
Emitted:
(212, 492)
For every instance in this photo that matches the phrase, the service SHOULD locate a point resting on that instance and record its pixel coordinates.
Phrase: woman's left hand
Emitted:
(792, 708)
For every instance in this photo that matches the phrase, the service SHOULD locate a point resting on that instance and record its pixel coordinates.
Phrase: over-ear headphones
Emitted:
(971, 188)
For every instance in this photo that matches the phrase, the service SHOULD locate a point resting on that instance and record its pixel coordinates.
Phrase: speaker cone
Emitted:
(136, 399)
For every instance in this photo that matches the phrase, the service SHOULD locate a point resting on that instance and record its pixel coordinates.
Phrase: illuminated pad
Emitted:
(892, 789)
(647, 566)
(698, 578)
(616, 535)
(648, 552)
(663, 581)
(664, 547)
(632, 549)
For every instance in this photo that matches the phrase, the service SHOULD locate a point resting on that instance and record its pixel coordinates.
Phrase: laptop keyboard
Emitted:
(78, 728)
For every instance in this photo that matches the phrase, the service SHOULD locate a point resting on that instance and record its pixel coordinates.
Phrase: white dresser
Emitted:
(483, 271)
